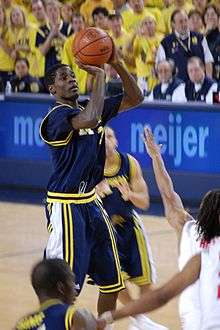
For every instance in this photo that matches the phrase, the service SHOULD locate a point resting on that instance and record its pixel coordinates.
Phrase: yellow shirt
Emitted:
(167, 13)
(145, 51)
(26, 37)
(88, 6)
(131, 19)
(154, 3)
(6, 63)
(67, 57)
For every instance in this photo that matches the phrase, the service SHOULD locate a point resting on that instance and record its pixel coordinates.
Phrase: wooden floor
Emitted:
(23, 237)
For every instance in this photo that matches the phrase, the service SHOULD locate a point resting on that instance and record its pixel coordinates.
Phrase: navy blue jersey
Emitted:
(52, 315)
(78, 156)
(167, 95)
(53, 55)
(114, 204)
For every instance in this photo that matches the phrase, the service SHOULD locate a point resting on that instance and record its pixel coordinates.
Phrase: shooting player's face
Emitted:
(65, 85)
(110, 141)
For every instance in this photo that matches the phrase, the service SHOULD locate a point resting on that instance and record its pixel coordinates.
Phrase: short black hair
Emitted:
(23, 60)
(50, 75)
(100, 10)
(208, 220)
(195, 12)
(47, 273)
(116, 16)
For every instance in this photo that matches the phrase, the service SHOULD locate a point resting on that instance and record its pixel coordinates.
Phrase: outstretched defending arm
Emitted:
(174, 210)
(83, 320)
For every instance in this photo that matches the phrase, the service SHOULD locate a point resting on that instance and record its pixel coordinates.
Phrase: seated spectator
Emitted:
(183, 44)
(67, 12)
(39, 12)
(6, 62)
(137, 12)
(199, 87)
(211, 25)
(170, 88)
(100, 18)
(144, 46)
(88, 6)
(121, 38)
(167, 13)
(51, 37)
(196, 21)
(216, 55)
(84, 83)
(23, 82)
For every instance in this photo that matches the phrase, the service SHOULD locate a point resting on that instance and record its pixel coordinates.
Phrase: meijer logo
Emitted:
(26, 131)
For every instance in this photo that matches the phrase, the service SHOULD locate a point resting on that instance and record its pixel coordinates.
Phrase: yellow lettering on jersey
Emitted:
(31, 321)
(114, 182)
(86, 131)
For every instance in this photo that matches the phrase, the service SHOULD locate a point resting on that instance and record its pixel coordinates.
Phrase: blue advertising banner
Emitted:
(190, 139)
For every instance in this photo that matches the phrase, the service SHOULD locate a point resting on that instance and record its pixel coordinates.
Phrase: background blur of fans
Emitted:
(172, 47)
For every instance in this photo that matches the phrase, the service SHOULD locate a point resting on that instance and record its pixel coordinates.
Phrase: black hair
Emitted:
(208, 220)
(47, 273)
(116, 16)
(100, 10)
(78, 15)
(23, 60)
(175, 12)
(50, 75)
(195, 12)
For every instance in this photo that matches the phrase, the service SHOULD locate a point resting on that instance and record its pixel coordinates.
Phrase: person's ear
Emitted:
(52, 90)
(61, 288)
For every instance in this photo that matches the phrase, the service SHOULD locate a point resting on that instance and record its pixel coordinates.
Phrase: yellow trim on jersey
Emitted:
(132, 167)
(146, 277)
(68, 235)
(69, 317)
(50, 302)
(67, 198)
(50, 228)
(120, 285)
(71, 237)
(59, 142)
(112, 171)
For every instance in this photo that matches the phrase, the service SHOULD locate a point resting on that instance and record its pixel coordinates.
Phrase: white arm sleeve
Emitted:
(209, 96)
(207, 52)
(160, 56)
(179, 94)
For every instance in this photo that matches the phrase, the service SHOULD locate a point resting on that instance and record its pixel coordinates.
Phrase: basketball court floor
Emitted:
(23, 237)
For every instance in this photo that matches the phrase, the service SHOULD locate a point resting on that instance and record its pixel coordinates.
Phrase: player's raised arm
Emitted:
(92, 113)
(174, 210)
(159, 297)
(132, 93)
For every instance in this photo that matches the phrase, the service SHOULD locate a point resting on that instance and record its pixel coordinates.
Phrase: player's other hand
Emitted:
(91, 69)
(103, 189)
(124, 190)
(153, 149)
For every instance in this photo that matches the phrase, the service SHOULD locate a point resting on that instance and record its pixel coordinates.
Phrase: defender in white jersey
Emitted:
(203, 310)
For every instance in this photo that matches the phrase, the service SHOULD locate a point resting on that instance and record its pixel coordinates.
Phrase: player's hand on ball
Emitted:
(93, 70)
(124, 190)
(153, 149)
(103, 189)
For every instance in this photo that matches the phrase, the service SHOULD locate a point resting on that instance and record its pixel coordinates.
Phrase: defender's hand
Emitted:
(124, 190)
(103, 189)
(152, 148)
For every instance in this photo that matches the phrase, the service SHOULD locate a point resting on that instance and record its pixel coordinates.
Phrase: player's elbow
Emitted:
(145, 204)
(137, 98)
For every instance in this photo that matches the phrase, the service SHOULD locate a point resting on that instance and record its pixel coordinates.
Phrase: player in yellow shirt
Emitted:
(88, 6)
(22, 38)
(167, 13)
(67, 57)
(6, 62)
(137, 12)
(144, 45)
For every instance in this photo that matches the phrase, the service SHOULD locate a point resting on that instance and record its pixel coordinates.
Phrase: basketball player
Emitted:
(81, 232)
(123, 189)
(191, 306)
(53, 283)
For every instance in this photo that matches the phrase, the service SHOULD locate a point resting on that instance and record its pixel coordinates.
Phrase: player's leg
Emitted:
(67, 238)
(105, 267)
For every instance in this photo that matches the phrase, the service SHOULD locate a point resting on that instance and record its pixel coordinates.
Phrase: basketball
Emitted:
(92, 46)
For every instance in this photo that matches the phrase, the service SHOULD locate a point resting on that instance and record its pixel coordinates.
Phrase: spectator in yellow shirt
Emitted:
(39, 12)
(121, 38)
(200, 5)
(167, 13)
(67, 57)
(6, 62)
(100, 18)
(67, 12)
(144, 46)
(137, 12)
(88, 6)
(22, 38)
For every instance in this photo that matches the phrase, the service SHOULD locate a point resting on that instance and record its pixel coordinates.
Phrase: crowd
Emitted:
(172, 47)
